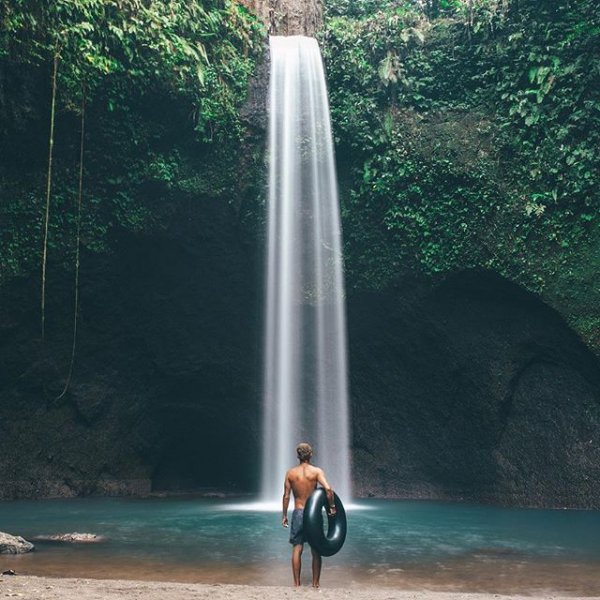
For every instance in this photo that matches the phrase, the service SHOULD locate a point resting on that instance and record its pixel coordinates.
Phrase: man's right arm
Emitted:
(322, 480)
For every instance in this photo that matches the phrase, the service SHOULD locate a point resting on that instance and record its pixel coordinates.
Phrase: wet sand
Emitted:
(46, 588)
(489, 576)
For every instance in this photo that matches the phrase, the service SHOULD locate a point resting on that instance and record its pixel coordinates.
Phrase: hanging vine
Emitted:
(77, 247)
(49, 188)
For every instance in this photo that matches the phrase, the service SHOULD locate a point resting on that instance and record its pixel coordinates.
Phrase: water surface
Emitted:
(403, 544)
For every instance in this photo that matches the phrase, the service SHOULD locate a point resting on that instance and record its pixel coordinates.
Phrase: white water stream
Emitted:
(305, 373)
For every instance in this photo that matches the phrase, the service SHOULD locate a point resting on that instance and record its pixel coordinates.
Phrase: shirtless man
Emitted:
(302, 481)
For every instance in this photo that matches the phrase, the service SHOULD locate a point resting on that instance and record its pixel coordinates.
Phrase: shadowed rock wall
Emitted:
(469, 389)
(164, 385)
(473, 389)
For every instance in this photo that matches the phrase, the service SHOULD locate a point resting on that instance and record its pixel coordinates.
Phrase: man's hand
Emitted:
(332, 511)
(284, 521)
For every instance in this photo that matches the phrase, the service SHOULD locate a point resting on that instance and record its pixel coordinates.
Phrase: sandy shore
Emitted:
(48, 588)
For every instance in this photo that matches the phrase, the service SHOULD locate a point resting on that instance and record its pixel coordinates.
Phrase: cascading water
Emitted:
(305, 378)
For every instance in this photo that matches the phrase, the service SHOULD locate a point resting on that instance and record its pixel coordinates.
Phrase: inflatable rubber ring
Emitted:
(330, 543)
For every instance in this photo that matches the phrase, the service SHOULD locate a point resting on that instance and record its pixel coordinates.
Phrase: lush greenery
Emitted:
(467, 132)
(159, 82)
(468, 136)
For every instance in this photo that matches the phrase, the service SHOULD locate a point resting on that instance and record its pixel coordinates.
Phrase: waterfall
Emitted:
(305, 365)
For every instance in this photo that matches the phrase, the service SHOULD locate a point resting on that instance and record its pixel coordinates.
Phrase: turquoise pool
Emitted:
(403, 544)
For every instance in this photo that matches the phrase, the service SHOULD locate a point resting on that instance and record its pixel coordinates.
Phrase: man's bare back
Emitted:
(303, 480)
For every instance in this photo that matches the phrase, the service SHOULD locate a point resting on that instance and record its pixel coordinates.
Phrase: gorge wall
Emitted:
(468, 389)
(463, 385)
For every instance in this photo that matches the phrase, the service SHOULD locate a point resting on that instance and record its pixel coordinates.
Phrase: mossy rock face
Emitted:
(464, 384)
(470, 143)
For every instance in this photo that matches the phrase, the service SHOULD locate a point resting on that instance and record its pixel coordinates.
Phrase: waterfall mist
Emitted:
(305, 369)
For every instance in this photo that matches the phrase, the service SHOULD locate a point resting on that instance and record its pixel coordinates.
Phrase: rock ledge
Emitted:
(71, 538)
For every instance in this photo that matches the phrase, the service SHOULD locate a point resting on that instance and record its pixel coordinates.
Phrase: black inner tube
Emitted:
(330, 544)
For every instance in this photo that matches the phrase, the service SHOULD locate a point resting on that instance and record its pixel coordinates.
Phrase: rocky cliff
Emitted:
(288, 17)
(464, 386)
(470, 388)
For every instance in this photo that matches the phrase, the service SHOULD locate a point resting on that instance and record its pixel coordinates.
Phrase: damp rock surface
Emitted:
(288, 17)
(14, 544)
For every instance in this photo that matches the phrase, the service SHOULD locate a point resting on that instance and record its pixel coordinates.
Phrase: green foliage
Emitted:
(468, 140)
(128, 46)
(365, 8)
(163, 81)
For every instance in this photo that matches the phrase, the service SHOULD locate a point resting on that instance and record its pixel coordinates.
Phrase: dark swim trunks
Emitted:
(296, 533)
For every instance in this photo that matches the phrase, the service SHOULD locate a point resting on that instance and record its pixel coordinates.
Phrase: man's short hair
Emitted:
(304, 451)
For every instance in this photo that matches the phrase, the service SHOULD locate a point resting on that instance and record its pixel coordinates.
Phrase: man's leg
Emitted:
(317, 561)
(297, 563)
